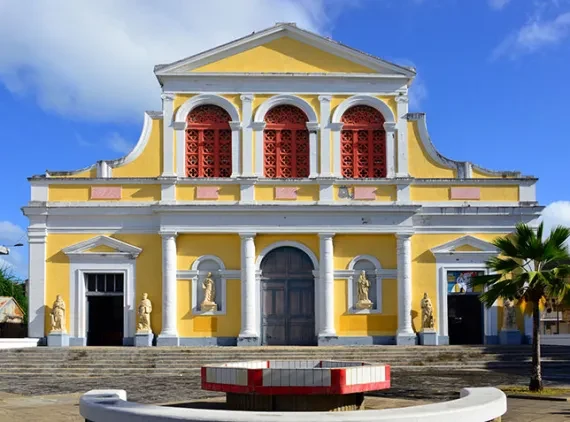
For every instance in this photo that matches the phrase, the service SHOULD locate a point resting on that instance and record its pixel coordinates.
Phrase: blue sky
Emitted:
(75, 78)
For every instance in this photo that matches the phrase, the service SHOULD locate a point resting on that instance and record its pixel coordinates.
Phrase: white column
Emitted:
(390, 129)
(249, 334)
(402, 142)
(327, 284)
(247, 140)
(335, 130)
(258, 142)
(167, 135)
(169, 333)
(236, 148)
(326, 157)
(37, 283)
(313, 128)
(406, 335)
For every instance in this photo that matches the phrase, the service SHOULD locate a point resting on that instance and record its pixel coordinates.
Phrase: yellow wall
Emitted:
(284, 55)
(148, 270)
(381, 246)
(384, 193)
(149, 162)
(78, 193)
(227, 325)
(304, 192)
(226, 193)
(500, 193)
(190, 247)
(419, 163)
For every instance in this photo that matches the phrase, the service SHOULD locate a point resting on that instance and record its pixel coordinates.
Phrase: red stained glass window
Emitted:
(363, 143)
(286, 143)
(208, 142)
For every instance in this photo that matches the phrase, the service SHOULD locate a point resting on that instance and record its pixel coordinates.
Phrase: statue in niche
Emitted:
(428, 321)
(209, 287)
(509, 315)
(363, 287)
(58, 315)
(144, 310)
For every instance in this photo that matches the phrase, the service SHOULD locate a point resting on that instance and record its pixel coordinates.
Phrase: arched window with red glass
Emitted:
(286, 143)
(208, 142)
(363, 143)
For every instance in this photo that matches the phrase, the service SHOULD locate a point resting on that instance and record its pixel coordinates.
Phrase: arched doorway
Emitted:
(287, 298)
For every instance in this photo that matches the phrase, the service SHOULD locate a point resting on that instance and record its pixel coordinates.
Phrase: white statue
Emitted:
(58, 315)
(363, 287)
(428, 321)
(144, 310)
(209, 302)
(509, 315)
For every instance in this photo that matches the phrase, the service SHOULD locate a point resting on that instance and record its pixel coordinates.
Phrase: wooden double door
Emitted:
(287, 298)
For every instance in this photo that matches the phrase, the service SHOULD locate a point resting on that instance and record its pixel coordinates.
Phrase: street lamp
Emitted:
(4, 250)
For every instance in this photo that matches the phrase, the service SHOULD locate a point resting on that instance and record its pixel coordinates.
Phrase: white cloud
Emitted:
(498, 4)
(535, 35)
(556, 214)
(94, 59)
(117, 143)
(11, 234)
(418, 93)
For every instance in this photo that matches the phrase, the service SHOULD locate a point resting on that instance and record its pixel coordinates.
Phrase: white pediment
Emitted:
(466, 245)
(255, 39)
(103, 245)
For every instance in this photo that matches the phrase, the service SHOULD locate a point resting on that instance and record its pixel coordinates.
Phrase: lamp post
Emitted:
(4, 250)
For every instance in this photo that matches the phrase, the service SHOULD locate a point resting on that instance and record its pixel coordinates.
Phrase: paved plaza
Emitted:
(49, 398)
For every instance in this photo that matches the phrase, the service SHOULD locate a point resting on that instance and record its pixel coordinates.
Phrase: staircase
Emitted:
(176, 361)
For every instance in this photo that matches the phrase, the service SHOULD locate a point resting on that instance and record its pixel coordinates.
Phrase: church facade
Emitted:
(284, 195)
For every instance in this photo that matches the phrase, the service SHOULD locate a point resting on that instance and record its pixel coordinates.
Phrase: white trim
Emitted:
(204, 258)
(527, 192)
(368, 100)
(284, 30)
(39, 192)
(122, 248)
(168, 165)
(247, 169)
(287, 243)
(99, 263)
(402, 141)
(354, 274)
(285, 99)
(483, 247)
(37, 277)
(325, 146)
(205, 99)
(390, 129)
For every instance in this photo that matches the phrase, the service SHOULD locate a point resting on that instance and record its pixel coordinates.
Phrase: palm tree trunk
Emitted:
(536, 376)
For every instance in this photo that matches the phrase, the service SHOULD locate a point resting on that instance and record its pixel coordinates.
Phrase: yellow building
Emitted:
(281, 167)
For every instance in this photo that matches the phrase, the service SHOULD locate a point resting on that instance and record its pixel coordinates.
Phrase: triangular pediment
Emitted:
(102, 245)
(466, 244)
(283, 48)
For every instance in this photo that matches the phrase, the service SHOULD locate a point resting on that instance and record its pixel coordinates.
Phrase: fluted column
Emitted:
(327, 283)
(406, 335)
(249, 334)
(169, 334)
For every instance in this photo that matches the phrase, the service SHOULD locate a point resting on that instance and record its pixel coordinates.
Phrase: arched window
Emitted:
(286, 143)
(363, 143)
(208, 142)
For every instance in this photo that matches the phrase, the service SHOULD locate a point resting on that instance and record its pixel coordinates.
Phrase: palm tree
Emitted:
(530, 269)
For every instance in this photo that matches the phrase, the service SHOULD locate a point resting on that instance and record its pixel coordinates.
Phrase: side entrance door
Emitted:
(288, 298)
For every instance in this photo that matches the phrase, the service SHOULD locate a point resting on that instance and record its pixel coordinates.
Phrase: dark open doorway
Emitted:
(105, 320)
(465, 319)
(288, 298)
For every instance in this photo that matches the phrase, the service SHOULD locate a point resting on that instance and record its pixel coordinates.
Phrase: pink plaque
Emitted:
(286, 193)
(207, 192)
(364, 193)
(105, 192)
(465, 193)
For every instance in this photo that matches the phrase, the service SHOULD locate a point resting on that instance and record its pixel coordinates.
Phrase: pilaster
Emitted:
(335, 130)
(390, 129)
(236, 148)
(402, 101)
(167, 135)
(313, 128)
(169, 334)
(37, 282)
(258, 142)
(406, 334)
(327, 328)
(247, 140)
(326, 156)
(249, 334)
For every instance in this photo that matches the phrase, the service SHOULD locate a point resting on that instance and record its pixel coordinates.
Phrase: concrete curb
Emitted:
(529, 397)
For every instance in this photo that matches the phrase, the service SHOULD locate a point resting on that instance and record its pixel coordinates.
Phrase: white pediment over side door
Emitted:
(103, 246)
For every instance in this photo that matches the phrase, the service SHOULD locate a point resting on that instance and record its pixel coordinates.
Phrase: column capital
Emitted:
(167, 96)
(313, 126)
(402, 99)
(404, 236)
(247, 235)
(246, 97)
(336, 126)
(325, 98)
(389, 126)
(178, 125)
(258, 125)
(326, 235)
(168, 233)
(235, 125)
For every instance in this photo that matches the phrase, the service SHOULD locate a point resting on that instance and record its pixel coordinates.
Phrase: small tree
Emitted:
(531, 269)
(11, 286)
